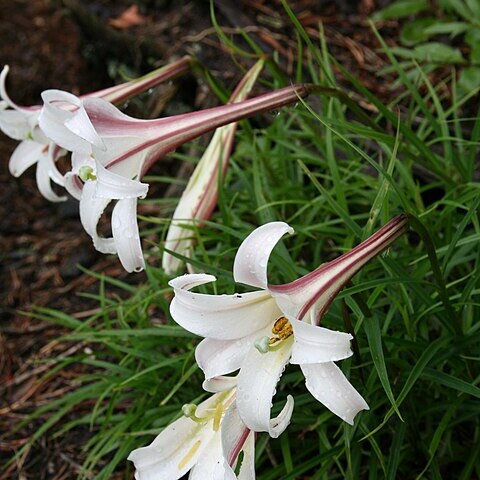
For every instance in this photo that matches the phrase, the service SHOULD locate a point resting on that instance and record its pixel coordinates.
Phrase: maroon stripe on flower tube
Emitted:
(176, 130)
(387, 235)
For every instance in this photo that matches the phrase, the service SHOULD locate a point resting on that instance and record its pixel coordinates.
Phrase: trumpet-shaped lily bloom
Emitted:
(260, 332)
(124, 148)
(21, 123)
(200, 196)
(206, 441)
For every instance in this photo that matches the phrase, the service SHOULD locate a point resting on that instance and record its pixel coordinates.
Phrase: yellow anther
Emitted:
(279, 324)
(189, 455)
(282, 328)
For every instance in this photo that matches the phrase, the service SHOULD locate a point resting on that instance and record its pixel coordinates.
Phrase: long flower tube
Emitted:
(206, 441)
(200, 195)
(260, 332)
(112, 152)
(21, 123)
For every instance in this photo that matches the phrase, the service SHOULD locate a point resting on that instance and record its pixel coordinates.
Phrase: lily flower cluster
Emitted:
(111, 152)
(257, 334)
(36, 147)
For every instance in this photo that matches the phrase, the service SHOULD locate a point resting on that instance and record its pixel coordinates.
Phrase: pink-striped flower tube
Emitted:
(260, 332)
(112, 152)
(200, 195)
(206, 441)
(21, 123)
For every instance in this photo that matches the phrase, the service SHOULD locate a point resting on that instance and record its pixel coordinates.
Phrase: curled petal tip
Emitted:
(250, 266)
(190, 280)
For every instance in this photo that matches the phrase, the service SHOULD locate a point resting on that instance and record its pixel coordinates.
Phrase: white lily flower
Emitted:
(206, 441)
(200, 196)
(124, 148)
(260, 332)
(21, 123)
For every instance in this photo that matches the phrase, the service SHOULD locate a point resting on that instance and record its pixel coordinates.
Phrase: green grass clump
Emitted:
(335, 173)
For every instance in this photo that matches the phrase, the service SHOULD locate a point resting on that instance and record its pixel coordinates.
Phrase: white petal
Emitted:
(314, 344)
(222, 317)
(36, 133)
(15, 124)
(234, 437)
(111, 122)
(176, 449)
(210, 464)
(126, 236)
(73, 185)
(252, 257)
(219, 384)
(220, 357)
(57, 109)
(25, 155)
(81, 125)
(91, 209)
(6, 98)
(112, 185)
(46, 170)
(3, 88)
(327, 383)
(256, 386)
(54, 153)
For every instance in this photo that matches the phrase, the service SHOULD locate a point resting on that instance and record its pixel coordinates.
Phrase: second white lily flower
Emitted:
(260, 332)
(206, 441)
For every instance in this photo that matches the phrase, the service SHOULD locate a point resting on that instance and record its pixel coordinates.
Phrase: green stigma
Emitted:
(262, 344)
(86, 173)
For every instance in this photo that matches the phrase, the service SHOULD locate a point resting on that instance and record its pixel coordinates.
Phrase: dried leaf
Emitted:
(129, 18)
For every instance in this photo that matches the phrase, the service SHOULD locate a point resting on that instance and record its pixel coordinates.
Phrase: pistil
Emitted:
(281, 330)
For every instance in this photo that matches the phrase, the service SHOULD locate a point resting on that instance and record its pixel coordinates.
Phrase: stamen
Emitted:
(282, 330)
(217, 417)
(189, 455)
